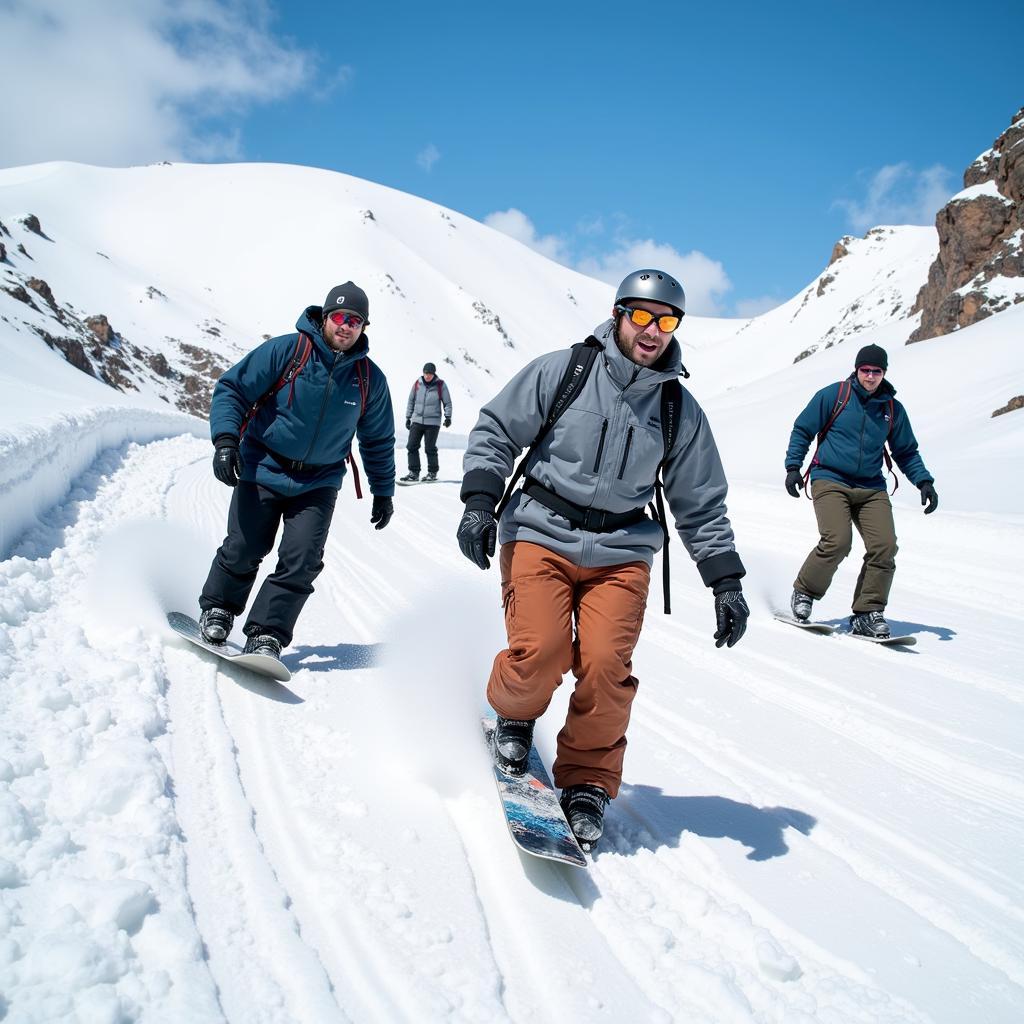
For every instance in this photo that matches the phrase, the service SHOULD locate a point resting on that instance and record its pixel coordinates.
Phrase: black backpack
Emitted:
(581, 362)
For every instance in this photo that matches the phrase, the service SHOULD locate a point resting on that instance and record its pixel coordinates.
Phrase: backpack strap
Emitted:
(671, 412)
(303, 349)
(845, 390)
(581, 362)
(363, 379)
(886, 454)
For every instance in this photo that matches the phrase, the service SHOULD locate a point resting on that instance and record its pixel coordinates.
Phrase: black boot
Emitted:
(512, 742)
(260, 642)
(871, 624)
(215, 625)
(583, 807)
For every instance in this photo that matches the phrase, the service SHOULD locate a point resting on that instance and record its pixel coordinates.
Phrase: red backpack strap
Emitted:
(886, 454)
(303, 349)
(845, 390)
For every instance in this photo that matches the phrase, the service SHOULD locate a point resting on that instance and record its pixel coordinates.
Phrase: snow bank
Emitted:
(40, 462)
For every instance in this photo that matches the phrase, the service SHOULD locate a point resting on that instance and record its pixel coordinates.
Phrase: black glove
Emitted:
(478, 534)
(794, 481)
(383, 510)
(928, 496)
(731, 614)
(447, 421)
(227, 462)
(408, 424)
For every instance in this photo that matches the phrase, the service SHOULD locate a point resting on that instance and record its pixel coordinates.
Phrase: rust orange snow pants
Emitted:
(544, 594)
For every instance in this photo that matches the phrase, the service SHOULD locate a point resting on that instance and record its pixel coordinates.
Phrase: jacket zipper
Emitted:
(625, 454)
(323, 405)
(600, 447)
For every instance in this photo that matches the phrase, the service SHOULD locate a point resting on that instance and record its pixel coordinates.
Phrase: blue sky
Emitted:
(732, 144)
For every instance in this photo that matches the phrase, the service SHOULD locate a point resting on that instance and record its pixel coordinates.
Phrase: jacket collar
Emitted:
(622, 370)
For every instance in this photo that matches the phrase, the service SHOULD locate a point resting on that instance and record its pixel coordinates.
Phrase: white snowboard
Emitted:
(264, 664)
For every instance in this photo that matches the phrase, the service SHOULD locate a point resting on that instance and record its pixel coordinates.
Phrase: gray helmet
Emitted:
(654, 285)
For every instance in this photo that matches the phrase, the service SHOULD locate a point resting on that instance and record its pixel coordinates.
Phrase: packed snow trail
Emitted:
(809, 830)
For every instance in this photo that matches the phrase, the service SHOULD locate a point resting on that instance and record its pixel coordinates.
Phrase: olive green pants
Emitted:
(838, 509)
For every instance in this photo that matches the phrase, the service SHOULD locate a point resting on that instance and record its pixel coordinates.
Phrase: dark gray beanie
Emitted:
(429, 368)
(872, 355)
(348, 296)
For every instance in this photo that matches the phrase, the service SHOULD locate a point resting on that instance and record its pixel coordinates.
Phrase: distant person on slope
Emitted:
(429, 402)
(282, 422)
(576, 544)
(853, 421)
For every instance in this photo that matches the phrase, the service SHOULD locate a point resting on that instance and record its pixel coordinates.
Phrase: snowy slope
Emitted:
(811, 829)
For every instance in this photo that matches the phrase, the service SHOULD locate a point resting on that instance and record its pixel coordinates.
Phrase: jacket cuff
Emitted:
(225, 441)
(727, 584)
(717, 567)
(482, 482)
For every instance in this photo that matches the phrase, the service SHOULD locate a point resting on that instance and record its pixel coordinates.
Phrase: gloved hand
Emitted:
(794, 481)
(408, 424)
(478, 535)
(447, 421)
(383, 510)
(227, 462)
(731, 614)
(928, 496)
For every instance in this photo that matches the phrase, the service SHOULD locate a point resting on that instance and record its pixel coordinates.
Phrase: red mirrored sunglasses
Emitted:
(341, 316)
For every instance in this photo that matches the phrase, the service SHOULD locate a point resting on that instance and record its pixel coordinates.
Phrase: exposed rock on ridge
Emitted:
(980, 266)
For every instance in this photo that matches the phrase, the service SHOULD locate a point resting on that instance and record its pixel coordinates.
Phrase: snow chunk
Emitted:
(773, 961)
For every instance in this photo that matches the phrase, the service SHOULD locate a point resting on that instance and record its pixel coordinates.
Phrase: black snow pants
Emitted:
(253, 520)
(428, 433)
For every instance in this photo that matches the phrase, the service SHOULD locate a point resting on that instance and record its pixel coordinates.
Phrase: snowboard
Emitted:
(532, 812)
(414, 483)
(812, 627)
(887, 641)
(264, 664)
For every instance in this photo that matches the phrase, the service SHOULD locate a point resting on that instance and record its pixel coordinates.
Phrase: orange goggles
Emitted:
(642, 317)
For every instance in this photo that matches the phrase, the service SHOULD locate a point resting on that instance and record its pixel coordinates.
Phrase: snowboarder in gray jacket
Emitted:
(576, 545)
(429, 403)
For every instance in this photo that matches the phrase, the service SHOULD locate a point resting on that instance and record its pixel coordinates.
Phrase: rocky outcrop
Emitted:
(100, 326)
(980, 266)
(1015, 403)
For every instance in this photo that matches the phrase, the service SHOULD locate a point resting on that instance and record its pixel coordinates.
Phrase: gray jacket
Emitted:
(427, 401)
(603, 453)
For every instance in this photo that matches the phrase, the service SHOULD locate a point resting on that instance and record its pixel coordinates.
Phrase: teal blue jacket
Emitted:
(852, 451)
(315, 422)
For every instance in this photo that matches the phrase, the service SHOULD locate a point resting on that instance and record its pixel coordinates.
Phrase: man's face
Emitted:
(643, 345)
(870, 377)
(341, 331)
(428, 377)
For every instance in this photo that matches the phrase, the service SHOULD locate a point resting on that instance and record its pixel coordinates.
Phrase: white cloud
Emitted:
(427, 157)
(755, 307)
(131, 81)
(703, 279)
(897, 194)
(517, 225)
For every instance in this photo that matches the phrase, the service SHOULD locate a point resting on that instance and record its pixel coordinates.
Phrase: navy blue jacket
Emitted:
(318, 425)
(852, 451)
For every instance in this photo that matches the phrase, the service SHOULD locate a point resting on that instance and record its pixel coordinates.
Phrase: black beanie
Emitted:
(872, 355)
(429, 368)
(348, 296)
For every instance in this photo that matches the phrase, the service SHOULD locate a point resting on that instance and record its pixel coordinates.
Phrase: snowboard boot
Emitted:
(801, 605)
(215, 625)
(263, 643)
(583, 807)
(410, 478)
(871, 624)
(512, 741)
(430, 478)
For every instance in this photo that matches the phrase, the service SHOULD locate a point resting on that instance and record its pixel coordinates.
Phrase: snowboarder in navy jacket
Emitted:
(860, 417)
(282, 422)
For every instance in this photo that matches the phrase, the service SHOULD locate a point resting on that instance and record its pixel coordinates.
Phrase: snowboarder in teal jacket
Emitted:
(282, 421)
(860, 417)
